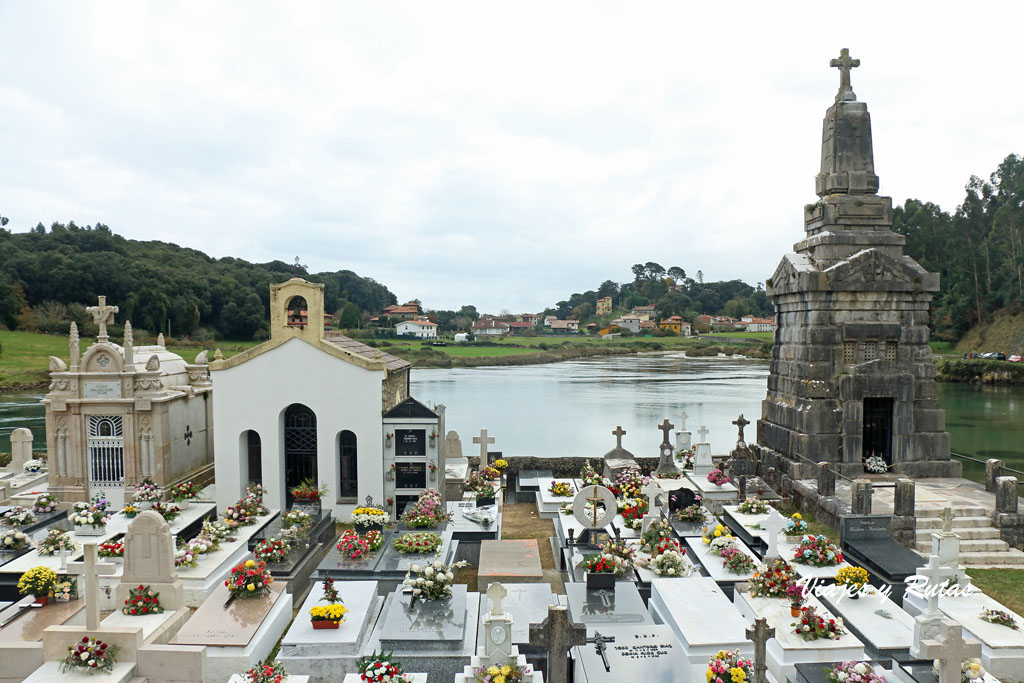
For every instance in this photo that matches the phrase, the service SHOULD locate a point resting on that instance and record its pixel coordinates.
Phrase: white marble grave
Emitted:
(713, 563)
(685, 604)
(884, 628)
(548, 504)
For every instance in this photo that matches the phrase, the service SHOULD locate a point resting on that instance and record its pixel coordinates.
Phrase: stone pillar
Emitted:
(860, 499)
(826, 479)
(741, 486)
(903, 527)
(1006, 495)
(993, 470)
(1008, 518)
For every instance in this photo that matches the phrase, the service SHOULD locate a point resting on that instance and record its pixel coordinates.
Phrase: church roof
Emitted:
(410, 407)
(361, 349)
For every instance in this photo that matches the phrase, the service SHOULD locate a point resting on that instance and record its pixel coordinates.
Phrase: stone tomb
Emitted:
(865, 539)
(815, 673)
(648, 653)
(548, 505)
(330, 654)
(512, 561)
(885, 629)
(471, 526)
(597, 609)
(527, 603)
(684, 605)
(21, 639)
(528, 484)
(435, 636)
(748, 528)
(715, 497)
(239, 635)
(808, 571)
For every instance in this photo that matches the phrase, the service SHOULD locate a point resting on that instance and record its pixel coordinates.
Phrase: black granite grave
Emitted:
(865, 541)
(301, 562)
(528, 484)
(814, 672)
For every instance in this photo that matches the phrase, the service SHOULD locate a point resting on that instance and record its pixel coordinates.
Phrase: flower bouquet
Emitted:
(670, 563)
(601, 570)
(237, 515)
(271, 550)
(249, 579)
(146, 493)
(633, 515)
(17, 517)
(812, 626)
(797, 596)
(875, 464)
(45, 504)
(13, 539)
(754, 506)
(201, 545)
(417, 542)
(591, 477)
(500, 464)
(130, 511)
(89, 655)
(997, 616)
(89, 519)
(352, 547)
(854, 578)
(432, 581)
(253, 501)
(380, 668)
(297, 518)
(817, 551)
(561, 489)
(718, 477)
(183, 494)
(266, 672)
(327, 616)
(33, 465)
(630, 483)
(658, 531)
(622, 551)
(63, 591)
(490, 473)
(691, 513)
(168, 511)
(38, 582)
(374, 539)
(113, 550)
(772, 581)
(54, 541)
(728, 666)
(718, 539)
(501, 673)
(308, 494)
(427, 513)
(853, 672)
(368, 517)
(971, 670)
(796, 527)
(485, 495)
(185, 557)
(141, 601)
(686, 457)
(217, 532)
(330, 593)
(736, 561)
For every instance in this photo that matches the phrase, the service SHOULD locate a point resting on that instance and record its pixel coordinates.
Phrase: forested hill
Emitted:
(43, 273)
(977, 249)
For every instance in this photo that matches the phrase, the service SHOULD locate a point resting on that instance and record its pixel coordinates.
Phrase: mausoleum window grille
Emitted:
(102, 426)
(849, 353)
(106, 449)
(870, 351)
(890, 351)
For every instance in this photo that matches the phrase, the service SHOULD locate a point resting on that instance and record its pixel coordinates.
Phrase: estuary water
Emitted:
(570, 408)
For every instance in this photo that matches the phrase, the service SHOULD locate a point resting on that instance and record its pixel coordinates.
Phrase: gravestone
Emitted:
(653, 493)
(759, 633)
(21, 448)
(682, 436)
(557, 634)
(525, 603)
(484, 441)
(649, 653)
(927, 624)
(149, 560)
(950, 649)
(509, 561)
(91, 569)
(702, 463)
(618, 459)
(866, 540)
(773, 525)
(741, 460)
(453, 446)
(666, 463)
(681, 498)
(595, 608)
(425, 625)
(497, 626)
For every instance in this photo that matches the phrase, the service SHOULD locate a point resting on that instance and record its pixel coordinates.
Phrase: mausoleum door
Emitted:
(299, 447)
(878, 415)
(106, 458)
(254, 453)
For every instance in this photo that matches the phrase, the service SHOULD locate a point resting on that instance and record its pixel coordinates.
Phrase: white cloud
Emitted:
(502, 155)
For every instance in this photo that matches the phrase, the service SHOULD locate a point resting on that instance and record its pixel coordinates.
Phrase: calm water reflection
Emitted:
(570, 408)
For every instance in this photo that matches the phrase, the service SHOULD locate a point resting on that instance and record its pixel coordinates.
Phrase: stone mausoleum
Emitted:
(122, 413)
(851, 372)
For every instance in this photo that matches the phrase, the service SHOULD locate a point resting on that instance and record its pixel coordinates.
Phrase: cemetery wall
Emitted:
(559, 466)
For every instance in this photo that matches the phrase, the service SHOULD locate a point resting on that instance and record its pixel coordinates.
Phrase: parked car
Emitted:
(993, 355)
(1015, 358)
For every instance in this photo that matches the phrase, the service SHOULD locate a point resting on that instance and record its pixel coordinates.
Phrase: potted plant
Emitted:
(63, 591)
(601, 571)
(307, 495)
(432, 470)
(817, 551)
(130, 511)
(327, 616)
(796, 527)
(854, 578)
(432, 581)
(55, 541)
(427, 513)
(183, 494)
(89, 519)
(718, 477)
(387, 439)
(38, 582)
(797, 595)
(728, 666)
(266, 671)
(146, 493)
(272, 550)
(89, 655)
(112, 551)
(433, 436)
(370, 517)
(862, 672)
(485, 495)
(297, 518)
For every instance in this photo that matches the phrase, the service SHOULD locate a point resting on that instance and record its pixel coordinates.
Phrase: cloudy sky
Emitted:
(501, 154)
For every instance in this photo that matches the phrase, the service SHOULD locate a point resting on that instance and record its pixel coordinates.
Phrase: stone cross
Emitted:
(496, 592)
(773, 525)
(741, 422)
(844, 63)
(666, 428)
(947, 520)
(652, 491)
(950, 649)
(935, 572)
(92, 570)
(557, 634)
(483, 440)
(759, 633)
(102, 315)
(682, 420)
(703, 433)
(618, 432)
(73, 346)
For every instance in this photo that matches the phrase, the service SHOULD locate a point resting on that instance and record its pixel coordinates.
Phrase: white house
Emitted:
(489, 327)
(758, 324)
(309, 405)
(628, 322)
(424, 329)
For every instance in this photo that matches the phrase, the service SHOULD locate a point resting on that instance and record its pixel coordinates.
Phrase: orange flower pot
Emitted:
(321, 623)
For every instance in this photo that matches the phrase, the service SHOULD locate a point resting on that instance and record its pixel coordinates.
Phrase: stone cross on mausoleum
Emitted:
(618, 433)
(844, 63)
(91, 569)
(759, 634)
(703, 433)
(557, 634)
(740, 423)
(102, 315)
(484, 441)
(666, 428)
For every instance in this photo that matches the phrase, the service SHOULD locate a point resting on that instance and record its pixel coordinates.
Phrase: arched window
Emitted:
(347, 465)
(297, 314)
(299, 446)
(254, 452)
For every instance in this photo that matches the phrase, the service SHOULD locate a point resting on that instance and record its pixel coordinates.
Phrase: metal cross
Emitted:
(102, 315)
(92, 570)
(682, 421)
(947, 520)
(844, 63)
(496, 592)
(759, 633)
(594, 500)
(188, 435)
(951, 649)
(666, 428)
(703, 433)
(483, 440)
(741, 422)
(619, 432)
(600, 646)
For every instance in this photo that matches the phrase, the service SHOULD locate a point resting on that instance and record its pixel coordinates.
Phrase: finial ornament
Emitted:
(844, 63)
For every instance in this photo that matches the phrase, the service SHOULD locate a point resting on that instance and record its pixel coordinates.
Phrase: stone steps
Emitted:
(965, 522)
(1012, 558)
(986, 545)
(958, 511)
(977, 533)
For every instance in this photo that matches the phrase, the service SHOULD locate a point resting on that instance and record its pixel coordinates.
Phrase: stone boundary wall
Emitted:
(559, 466)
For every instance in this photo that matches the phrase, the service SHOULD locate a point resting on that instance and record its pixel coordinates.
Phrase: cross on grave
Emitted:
(557, 634)
(935, 572)
(652, 491)
(759, 634)
(773, 525)
(496, 592)
(741, 422)
(666, 428)
(682, 421)
(951, 650)
(188, 435)
(947, 520)
(703, 433)
(483, 440)
(102, 315)
(600, 646)
(92, 570)
(844, 63)
(618, 432)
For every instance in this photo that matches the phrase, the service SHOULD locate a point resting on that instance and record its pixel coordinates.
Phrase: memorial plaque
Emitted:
(410, 475)
(410, 442)
(212, 624)
(101, 389)
(425, 625)
(651, 654)
(623, 605)
(864, 526)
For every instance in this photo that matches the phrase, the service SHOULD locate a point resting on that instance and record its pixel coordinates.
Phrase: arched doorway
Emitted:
(348, 486)
(254, 457)
(299, 447)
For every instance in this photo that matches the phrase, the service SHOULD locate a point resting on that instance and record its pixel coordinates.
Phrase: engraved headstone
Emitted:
(149, 559)
(497, 627)
(666, 462)
(21, 448)
(594, 507)
(655, 499)
(927, 623)
(484, 441)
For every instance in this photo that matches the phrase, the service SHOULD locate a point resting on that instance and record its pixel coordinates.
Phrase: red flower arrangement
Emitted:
(633, 516)
(90, 654)
(142, 601)
(266, 672)
(817, 551)
(249, 579)
(111, 549)
(353, 547)
(380, 667)
(812, 627)
(271, 550)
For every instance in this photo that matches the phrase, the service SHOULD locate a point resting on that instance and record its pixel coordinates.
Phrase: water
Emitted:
(571, 408)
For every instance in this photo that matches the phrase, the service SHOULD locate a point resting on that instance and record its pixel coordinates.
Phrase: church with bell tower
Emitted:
(851, 373)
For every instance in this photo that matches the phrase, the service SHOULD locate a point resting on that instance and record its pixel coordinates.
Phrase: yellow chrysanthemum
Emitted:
(738, 675)
(249, 564)
(709, 675)
(493, 671)
(250, 587)
(796, 515)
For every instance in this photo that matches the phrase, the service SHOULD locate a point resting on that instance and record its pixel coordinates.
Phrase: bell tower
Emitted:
(297, 310)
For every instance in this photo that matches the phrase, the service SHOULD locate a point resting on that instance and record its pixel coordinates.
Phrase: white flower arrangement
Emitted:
(876, 465)
(32, 466)
(201, 545)
(17, 516)
(432, 581)
(12, 539)
(54, 540)
(85, 514)
(670, 563)
(720, 543)
(186, 558)
(217, 532)
(299, 518)
(147, 492)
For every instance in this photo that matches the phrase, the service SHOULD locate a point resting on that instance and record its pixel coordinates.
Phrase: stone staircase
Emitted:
(980, 545)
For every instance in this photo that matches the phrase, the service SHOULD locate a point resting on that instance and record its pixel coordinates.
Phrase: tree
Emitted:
(638, 272)
(608, 288)
(654, 271)
(469, 312)
(350, 317)
(677, 274)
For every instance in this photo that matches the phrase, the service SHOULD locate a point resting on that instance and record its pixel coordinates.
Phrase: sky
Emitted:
(504, 155)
